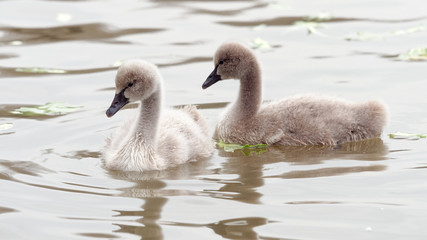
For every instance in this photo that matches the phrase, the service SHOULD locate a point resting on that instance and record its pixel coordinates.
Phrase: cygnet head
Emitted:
(232, 61)
(135, 80)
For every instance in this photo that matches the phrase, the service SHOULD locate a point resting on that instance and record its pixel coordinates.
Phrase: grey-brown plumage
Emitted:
(152, 139)
(298, 120)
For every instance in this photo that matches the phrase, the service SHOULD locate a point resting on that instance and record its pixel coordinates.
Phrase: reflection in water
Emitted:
(324, 172)
(36, 175)
(336, 202)
(236, 228)
(80, 154)
(288, 21)
(242, 188)
(227, 12)
(9, 168)
(146, 179)
(6, 210)
(40, 72)
(4, 56)
(91, 31)
(250, 169)
(239, 228)
(369, 150)
(151, 212)
(150, 187)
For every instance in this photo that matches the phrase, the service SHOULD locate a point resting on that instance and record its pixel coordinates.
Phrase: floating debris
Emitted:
(118, 63)
(259, 27)
(16, 43)
(50, 108)
(414, 54)
(410, 136)
(320, 17)
(311, 27)
(41, 70)
(5, 126)
(365, 36)
(369, 36)
(231, 147)
(410, 30)
(259, 43)
(279, 6)
(63, 17)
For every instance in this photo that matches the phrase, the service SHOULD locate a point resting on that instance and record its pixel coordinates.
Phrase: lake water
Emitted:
(53, 184)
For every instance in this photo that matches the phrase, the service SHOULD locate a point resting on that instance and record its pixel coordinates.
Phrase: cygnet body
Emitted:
(152, 139)
(298, 120)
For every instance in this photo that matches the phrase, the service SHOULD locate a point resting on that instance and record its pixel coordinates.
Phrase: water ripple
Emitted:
(226, 12)
(6, 210)
(235, 228)
(85, 32)
(288, 21)
(41, 71)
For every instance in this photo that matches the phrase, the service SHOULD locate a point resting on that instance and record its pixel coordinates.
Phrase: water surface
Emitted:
(53, 184)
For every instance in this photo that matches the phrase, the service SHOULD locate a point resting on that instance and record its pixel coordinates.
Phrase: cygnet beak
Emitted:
(212, 79)
(118, 102)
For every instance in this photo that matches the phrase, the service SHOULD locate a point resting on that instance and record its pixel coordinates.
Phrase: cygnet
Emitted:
(152, 139)
(297, 120)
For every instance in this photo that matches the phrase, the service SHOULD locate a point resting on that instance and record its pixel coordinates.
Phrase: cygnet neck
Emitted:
(250, 94)
(148, 119)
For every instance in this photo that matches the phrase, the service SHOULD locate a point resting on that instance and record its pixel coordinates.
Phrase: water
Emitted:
(53, 184)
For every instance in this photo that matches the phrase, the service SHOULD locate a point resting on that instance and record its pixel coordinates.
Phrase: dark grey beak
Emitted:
(212, 79)
(119, 101)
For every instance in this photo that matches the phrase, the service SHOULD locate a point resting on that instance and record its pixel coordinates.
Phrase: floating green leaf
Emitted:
(279, 6)
(41, 70)
(365, 36)
(5, 126)
(118, 63)
(320, 17)
(63, 17)
(401, 135)
(311, 27)
(410, 30)
(307, 24)
(369, 36)
(259, 27)
(415, 54)
(231, 147)
(50, 108)
(16, 43)
(259, 43)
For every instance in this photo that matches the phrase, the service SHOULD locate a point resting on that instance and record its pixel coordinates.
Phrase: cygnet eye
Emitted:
(221, 62)
(130, 84)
